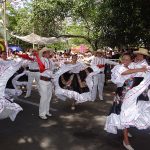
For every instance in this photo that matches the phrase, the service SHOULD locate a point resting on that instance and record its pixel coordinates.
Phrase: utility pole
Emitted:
(4, 18)
(3, 2)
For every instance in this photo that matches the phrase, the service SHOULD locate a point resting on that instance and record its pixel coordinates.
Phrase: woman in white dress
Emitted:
(131, 107)
(7, 107)
(74, 80)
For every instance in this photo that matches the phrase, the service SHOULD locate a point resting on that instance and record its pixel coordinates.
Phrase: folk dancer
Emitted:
(74, 81)
(45, 82)
(99, 79)
(131, 107)
(33, 74)
(8, 108)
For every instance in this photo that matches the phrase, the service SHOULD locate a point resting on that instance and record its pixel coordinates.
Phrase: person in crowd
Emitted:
(3, 56)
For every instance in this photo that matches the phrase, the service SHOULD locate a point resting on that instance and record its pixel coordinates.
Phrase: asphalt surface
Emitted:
(82, 129)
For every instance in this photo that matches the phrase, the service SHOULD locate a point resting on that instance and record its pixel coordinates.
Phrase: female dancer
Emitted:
(7, 107)
(74, 80)
(123, 113)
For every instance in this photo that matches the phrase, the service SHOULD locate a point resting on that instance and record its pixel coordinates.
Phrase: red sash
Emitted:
(41, 65)
(25, 56)
(100, 66)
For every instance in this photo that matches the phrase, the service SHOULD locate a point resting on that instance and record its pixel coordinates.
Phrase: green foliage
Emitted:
(126, 23)
(58, 46)
(49, 16)
(114, 23)
(20, 20)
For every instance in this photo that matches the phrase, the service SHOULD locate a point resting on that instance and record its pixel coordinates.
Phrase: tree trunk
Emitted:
(94, 45)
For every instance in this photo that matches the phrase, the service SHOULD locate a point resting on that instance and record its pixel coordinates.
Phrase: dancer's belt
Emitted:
(34, 70)
(100, 66)
(45, 78)
(101, 72)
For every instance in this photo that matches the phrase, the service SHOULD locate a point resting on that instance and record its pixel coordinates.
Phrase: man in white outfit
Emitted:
(99, 79)
(45, 83)
(33, 74)
(140, 61)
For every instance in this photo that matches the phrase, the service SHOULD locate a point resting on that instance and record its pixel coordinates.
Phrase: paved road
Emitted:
(81, 129)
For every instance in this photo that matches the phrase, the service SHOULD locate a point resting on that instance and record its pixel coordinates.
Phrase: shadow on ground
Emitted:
(82, 129)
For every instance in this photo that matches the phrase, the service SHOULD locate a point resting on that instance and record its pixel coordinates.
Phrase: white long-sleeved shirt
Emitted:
(139, 64)
(33, 65)
(102, 61)
(48, 67)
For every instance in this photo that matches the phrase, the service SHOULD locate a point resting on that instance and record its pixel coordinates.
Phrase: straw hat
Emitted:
(44, 50)
(142, 51)
(99, 51)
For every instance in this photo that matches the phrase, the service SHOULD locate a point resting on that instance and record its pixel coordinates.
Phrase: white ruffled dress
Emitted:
(62, 93)
(133, 113)
(7, 107)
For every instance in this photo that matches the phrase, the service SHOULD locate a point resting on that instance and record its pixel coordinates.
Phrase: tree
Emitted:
(49, 16)
(126, 23)
(21, 19)
(98, 22)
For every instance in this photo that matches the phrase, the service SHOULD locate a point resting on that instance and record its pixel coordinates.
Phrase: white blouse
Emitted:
(117, 77)
(102, 61)
(139, 64)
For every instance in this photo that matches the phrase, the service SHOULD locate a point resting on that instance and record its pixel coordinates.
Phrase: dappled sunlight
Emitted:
(81, 129)
(45, 142)
(100, 120)
(109, 102)
(49, 124)
(72, 118)
(109, 94)
(68, 127)
(24, 140)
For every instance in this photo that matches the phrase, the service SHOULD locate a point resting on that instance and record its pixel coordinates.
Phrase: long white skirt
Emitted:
(7, 107)
(78, 97)
(133, 113)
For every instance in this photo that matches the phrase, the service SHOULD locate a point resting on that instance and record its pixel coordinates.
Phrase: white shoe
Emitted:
(128, 147)
(43, 117)
(101, 98)
(27, 96)
(48, 114)
(129, 135)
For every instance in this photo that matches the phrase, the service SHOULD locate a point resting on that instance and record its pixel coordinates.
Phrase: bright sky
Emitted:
(18, 3)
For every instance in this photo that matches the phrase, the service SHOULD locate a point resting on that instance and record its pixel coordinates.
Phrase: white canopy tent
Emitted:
(36, 39)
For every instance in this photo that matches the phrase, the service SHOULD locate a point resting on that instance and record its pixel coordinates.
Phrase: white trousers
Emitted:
(46, 95)
(31, 77)
(99, 80)
(95, 84)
